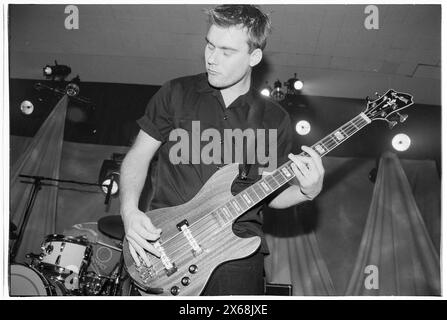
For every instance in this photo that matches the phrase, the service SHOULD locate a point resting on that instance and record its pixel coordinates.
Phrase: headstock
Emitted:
(387, 107)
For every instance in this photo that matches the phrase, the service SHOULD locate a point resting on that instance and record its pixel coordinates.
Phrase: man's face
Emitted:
(227, 59)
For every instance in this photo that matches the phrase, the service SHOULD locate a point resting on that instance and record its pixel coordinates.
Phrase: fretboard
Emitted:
(252, 195)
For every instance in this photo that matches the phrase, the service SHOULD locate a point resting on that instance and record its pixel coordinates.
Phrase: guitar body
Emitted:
(219, 245)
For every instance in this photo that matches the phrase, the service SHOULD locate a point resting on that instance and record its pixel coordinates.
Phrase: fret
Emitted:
(246, 198)
(226, 212)
(339, 136)
(319, 148)
(233, 211)
(222, 215)
(236, 206)
(242, 203)
(271, 182)
(253, 194)
(354, 124)
(287, 172)
(259, 191)
(349, 128)
(218, 217)
(329, 142)
(330, 147)
(279, 177)
(265, 186)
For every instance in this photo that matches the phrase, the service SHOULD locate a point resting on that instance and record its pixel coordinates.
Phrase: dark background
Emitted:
(111, 119)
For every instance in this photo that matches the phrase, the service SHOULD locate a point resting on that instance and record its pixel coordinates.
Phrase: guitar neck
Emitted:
(254, 194)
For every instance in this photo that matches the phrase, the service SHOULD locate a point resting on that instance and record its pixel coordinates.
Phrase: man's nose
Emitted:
(212, 58)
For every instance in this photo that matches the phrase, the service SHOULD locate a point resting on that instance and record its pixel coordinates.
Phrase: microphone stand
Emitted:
(37, 185)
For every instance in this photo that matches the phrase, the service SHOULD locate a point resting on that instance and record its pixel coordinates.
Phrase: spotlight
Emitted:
(27, 107)
(56, 72)
(294, 84)
(302, 127)
(266, 90)
(72, 89)
(298, 85)
(401, 142)
(277, 92)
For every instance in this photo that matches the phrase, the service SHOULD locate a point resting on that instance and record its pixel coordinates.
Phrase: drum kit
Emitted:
(83, 261)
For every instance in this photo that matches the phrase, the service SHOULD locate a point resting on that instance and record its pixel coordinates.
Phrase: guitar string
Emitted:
(198, 229)
(169, 244)
(201, 228)
(205, 228)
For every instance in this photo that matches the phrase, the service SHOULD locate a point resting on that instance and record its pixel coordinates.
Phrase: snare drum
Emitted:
(27, 281)
(65, 255)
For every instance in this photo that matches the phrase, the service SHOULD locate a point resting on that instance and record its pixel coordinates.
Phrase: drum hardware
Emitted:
(37, 185)
(93, 284)
(109, 246)
(113, 227)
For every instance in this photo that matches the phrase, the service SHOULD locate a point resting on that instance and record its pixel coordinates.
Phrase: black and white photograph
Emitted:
(245, 150)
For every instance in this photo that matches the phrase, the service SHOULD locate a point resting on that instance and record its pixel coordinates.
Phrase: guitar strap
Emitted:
(254, 120)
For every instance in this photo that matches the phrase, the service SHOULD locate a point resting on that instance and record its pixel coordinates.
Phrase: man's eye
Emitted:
(227, 53)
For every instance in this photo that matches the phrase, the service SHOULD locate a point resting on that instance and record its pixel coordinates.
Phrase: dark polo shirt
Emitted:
(181, 101)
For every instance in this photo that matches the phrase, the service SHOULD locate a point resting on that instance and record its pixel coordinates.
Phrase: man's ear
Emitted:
(255, 57)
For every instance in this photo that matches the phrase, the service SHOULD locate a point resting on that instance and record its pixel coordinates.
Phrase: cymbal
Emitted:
(112, 226)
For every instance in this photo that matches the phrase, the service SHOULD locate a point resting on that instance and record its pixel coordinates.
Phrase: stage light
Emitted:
(265, 92)
(294, 84)
(401, 142)
(72, 89)
(56, 72)
(27, 107)
(302, 127)
(277, 92)
(298, 85)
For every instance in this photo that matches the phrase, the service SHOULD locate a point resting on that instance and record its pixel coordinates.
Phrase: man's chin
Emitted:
(216, 83)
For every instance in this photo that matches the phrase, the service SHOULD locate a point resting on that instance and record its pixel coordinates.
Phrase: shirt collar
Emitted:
(203, 86)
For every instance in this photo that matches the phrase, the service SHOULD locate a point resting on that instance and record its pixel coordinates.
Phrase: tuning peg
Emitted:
(391, 124)
(367, 99)
(402, 117)
(377, 94)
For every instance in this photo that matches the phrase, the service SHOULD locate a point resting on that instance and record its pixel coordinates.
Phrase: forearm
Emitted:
(288, 198)
(132, 178)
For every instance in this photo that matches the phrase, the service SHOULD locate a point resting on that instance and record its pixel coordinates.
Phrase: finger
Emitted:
(146, 234)
(315, 156)
(144, 244)
(147, 223)
(133, 253)
(299, 175)
(302, 162)
(309, 162)
(140, 252)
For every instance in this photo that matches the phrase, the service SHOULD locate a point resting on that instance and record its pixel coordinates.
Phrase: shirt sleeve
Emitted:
(157, 119)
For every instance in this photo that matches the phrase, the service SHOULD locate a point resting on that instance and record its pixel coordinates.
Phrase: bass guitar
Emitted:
(197, 235)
